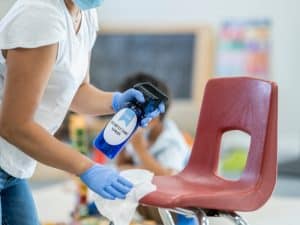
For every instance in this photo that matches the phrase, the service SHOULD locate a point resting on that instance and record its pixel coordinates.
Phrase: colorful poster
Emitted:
(244, 48)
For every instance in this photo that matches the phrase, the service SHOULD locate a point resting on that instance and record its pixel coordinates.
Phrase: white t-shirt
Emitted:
(170, 149)
(36, 23)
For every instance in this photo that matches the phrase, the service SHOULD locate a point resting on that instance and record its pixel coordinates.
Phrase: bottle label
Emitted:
(120, 127)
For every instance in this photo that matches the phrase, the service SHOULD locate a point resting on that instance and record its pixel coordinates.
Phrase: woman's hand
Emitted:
(106, 182)
(121, 99)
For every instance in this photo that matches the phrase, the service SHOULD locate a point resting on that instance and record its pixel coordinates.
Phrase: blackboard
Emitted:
(169, 57)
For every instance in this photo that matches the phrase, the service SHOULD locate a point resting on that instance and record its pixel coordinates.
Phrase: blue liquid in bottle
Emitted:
(118, 131)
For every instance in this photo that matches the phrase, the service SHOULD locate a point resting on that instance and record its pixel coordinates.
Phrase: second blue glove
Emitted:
(121, 99)
(106, 182)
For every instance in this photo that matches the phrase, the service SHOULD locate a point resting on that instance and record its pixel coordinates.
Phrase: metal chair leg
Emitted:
(234, 217)
(166, 216)
(201, 217)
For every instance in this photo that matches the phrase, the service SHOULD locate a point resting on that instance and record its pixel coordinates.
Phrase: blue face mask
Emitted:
(88, 4)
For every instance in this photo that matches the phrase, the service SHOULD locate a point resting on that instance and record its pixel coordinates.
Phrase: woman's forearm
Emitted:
(92, 101)
(40, 145)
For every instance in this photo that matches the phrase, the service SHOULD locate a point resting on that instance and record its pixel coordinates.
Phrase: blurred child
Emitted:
(160, 148)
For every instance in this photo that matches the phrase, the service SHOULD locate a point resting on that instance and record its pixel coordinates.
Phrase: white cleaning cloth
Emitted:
(121, 212)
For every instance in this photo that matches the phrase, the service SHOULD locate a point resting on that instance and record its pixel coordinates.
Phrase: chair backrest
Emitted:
(239, 103)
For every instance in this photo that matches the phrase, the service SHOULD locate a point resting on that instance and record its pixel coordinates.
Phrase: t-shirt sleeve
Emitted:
(32, 24)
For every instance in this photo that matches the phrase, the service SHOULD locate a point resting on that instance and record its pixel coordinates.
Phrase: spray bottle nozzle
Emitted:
(153, 96)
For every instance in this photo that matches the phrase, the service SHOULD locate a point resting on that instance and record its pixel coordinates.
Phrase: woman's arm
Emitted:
(28, 71)
(91, 100)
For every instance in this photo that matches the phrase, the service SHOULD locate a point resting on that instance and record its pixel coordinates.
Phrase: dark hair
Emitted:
(139, 77)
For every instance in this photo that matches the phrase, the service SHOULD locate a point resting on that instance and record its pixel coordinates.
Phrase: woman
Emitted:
(45, 47)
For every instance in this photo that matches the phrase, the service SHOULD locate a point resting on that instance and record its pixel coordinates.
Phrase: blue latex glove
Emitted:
(106, 182)
(152, 115)
(121, 99)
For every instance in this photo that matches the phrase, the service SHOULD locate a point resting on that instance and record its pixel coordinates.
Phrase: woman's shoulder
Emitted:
(44, 3)
(92, 26)
(33, 23)
(50, 6)
(92, 18)
(44, 9)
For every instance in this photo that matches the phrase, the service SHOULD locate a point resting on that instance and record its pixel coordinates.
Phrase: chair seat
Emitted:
(206, 192)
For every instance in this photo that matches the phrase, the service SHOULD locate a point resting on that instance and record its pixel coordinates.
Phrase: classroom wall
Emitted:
(286, 35)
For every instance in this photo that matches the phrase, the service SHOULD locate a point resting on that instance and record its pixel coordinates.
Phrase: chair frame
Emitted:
(201, 215)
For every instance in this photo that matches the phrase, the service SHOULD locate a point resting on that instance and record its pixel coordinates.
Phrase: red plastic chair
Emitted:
(240, 103)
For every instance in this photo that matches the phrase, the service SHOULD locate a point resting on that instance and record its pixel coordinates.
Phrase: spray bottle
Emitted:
(122, 126)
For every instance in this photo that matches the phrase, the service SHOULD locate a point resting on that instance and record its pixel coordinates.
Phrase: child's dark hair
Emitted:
(140, 77)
